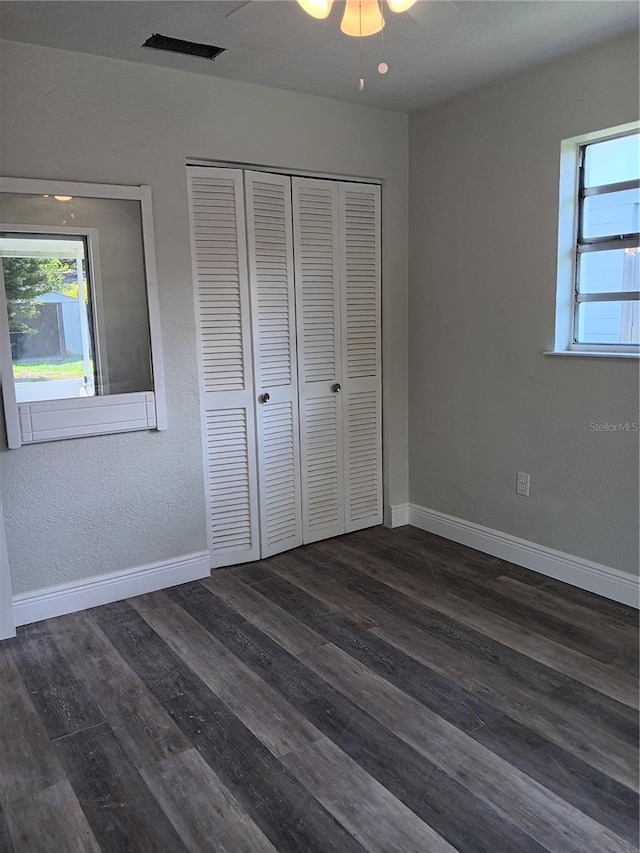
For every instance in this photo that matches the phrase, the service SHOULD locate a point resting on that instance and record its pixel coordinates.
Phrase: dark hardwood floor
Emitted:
(386, 691)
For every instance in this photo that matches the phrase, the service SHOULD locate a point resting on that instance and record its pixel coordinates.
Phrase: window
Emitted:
(49, 314)
(608, 259)
(602, 210)
(79, 349)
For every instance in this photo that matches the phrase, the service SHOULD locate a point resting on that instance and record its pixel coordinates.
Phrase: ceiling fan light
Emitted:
(400, 5)
(362, 18)
(317, 8)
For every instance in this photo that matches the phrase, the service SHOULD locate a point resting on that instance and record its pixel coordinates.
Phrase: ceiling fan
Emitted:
(361, 18)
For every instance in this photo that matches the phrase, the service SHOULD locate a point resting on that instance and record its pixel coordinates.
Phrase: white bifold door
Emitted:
(273, 314)
(287, 276)
(223, 322)
(337, 252)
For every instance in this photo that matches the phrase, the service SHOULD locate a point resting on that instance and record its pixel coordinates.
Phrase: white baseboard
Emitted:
(400, 515)
(594, 577)
(69, 598)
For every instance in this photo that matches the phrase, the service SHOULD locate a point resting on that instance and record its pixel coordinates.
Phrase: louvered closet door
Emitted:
(317, 273)
(270, 243)
(224, 342)
(361, 362)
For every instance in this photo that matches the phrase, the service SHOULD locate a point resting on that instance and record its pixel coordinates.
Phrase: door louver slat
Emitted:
(227, 440)
(317, 249)
(216, 258)
(271, 265)
(282, 513)
(321, 427)
(361, 280)
(363, 490)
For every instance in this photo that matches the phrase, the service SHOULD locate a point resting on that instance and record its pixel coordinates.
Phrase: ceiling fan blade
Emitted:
(422, 11)
(237, 9)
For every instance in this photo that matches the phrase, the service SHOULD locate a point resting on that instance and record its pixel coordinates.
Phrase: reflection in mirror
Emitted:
(49, 313)
(76, 293)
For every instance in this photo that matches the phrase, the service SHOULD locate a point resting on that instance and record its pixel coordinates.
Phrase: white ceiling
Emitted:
(439, 48)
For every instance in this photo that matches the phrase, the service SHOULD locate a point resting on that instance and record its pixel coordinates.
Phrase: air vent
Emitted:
(190, 48)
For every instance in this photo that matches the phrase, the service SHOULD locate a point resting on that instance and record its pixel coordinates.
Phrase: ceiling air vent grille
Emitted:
(190, 48)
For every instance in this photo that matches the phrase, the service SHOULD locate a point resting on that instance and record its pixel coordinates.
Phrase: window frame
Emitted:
(52, 420)
(572, 244)
(90, 236)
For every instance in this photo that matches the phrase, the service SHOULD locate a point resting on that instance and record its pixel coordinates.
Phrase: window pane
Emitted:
(610, 271)
(120, 307)
(612, 161)
(45, 282)
(611, 214)
(608, 323)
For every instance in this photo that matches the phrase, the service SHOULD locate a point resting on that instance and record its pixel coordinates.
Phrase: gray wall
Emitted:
(76, 509)
(484, 402)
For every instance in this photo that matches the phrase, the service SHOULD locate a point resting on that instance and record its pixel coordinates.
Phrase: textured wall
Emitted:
(484, 402)
(77, 509)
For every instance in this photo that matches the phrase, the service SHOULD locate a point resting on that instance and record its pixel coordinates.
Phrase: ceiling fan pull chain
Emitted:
(361, 83)
(382, 67)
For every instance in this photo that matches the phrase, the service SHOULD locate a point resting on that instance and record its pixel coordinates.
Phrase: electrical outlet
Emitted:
(522, 484)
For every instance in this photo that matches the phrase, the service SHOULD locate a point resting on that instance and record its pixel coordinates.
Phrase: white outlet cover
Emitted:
(522, 484)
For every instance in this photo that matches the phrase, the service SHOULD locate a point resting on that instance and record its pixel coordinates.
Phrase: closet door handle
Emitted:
(336, 388)
(264, 398)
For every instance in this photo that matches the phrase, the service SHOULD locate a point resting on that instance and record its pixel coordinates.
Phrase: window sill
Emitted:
(592, 354)
(55, 420)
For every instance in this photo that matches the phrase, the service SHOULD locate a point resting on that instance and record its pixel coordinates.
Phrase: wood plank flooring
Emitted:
(386, 691)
